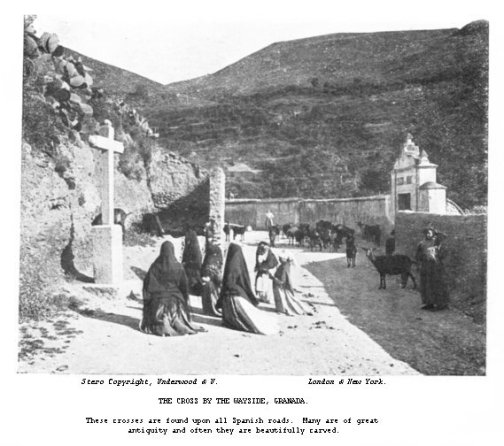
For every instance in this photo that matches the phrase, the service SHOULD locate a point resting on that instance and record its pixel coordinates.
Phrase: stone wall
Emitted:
(348, 211)
(466, 263)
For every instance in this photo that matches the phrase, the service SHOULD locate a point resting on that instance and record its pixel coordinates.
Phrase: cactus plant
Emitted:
(77, 81)
(48, 42)
(86, 109)
(30, 47)
(75, 98)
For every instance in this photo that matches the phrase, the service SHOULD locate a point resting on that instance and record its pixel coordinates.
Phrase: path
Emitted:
(102, 336)
(434, 343)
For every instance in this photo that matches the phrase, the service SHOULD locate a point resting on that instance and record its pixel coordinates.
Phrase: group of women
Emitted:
(168, 283)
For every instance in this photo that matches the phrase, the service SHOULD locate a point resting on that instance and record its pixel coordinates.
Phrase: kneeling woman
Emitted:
(166, 298)
(211, 278)
(283, 289)
(237, 299)
(191, 260)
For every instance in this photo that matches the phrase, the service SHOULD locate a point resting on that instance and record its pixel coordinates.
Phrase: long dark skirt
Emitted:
(433, 287)
(238, 313)
(209, 297)
(193, 274)
(166, 316)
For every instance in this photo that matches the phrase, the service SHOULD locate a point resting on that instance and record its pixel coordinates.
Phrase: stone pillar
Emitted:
(107, 254)
(218, 202)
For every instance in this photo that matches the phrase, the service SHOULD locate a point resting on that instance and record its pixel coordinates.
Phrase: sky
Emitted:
(195, 39)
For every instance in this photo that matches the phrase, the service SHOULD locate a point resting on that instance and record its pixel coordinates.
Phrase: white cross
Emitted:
(105, 141)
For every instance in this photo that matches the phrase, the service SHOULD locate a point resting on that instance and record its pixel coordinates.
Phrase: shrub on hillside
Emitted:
(131, 164)
(145, 148)
(41, 125)
(141, 92)
(478, 210)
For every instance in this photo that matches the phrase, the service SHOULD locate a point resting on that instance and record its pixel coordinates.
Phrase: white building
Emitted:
(413, 181)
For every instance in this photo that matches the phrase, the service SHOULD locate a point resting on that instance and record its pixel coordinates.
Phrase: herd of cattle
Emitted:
(327, 235)
(323, 235)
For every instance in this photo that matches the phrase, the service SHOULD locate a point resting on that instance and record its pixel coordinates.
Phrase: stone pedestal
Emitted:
(107, 254)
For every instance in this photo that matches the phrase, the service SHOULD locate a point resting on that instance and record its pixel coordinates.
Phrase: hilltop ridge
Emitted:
(296, 62)
(325, 116)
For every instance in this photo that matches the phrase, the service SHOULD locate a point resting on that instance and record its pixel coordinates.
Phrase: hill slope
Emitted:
(138, 90)
(326, 116)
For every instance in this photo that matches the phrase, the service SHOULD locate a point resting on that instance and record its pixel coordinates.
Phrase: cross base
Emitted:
(107, 254)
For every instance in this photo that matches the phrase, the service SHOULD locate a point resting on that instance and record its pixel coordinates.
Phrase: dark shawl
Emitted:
(236, 279)
(191, 259)
(212, 265)
(269, 263)
(166, 277)
(192, 251)
(433, 288)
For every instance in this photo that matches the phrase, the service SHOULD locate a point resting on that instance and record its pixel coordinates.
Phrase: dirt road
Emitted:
(355, 330)
(434, 343)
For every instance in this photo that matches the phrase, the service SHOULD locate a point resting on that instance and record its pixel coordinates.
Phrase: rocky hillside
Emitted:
(326, 116)
(64, 103)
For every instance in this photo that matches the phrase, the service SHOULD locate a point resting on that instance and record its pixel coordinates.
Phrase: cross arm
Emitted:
(100, 142)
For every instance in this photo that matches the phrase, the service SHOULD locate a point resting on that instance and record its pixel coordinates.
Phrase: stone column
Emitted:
(218, 202)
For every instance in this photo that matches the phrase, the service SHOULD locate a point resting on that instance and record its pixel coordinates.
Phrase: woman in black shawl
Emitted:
(165, 297)
(191, 259)
(211, 278)
(430, 256)
(266, 262)
(237, 299)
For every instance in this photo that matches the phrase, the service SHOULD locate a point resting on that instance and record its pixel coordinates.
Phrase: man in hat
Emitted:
(429, 256)
(269, 220)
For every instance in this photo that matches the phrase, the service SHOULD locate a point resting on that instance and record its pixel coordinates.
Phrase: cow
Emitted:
(237, 230)
(285, 229)
(371, 233)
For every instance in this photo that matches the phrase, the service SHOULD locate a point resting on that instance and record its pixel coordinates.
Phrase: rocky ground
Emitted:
(356, 329)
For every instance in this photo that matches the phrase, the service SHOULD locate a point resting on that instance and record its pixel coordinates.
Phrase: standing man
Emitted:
(390, 244)
(269, 220)
(430, 255)
(351, 250)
